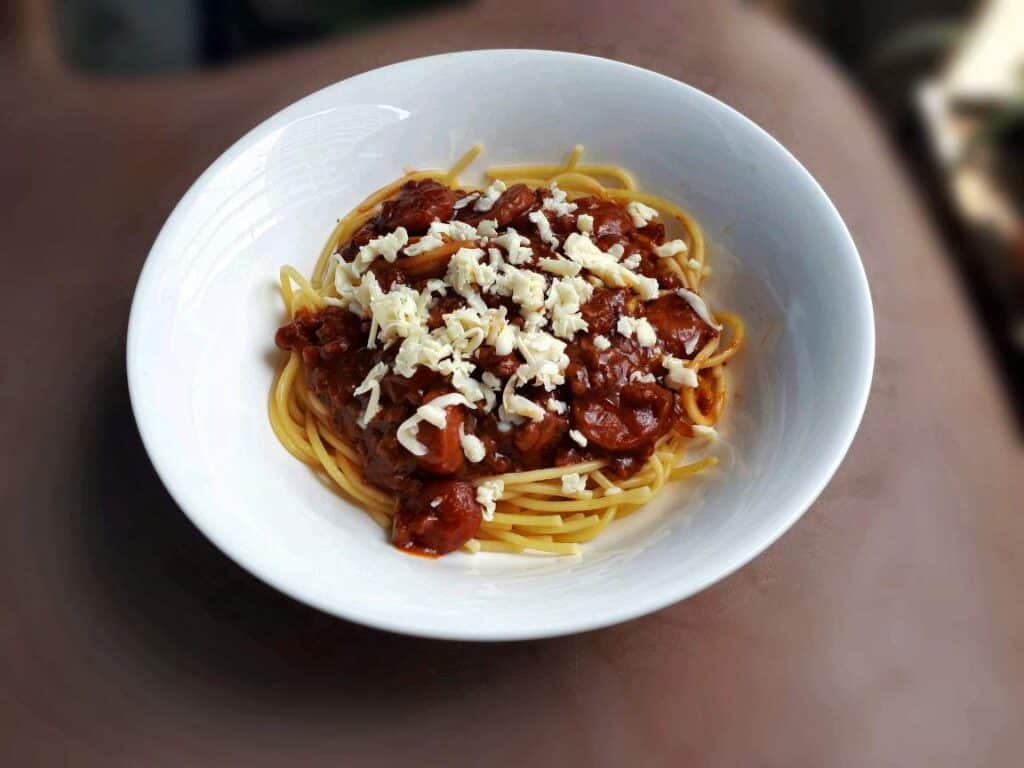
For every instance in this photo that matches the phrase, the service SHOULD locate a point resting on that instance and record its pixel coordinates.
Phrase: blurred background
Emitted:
(944, 76)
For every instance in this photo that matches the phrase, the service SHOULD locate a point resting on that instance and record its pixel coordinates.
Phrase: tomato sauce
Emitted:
(611, 399)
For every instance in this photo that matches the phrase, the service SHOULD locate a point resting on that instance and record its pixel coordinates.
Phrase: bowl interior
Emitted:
(201, 355)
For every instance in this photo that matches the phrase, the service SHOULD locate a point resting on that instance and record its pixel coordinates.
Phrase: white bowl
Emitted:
(201, 354)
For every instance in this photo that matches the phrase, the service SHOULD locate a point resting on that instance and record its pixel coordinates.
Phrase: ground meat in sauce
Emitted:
(514, 202)
(416, 205)
(621, 417)
(440, 519)
(680, 330)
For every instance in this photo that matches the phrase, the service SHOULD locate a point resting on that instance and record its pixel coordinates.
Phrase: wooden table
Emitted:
(887, 628)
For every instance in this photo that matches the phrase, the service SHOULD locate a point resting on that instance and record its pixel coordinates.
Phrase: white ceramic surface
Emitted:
(201, 355)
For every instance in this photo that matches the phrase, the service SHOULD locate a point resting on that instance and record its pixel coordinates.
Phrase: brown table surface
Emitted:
(887, 628)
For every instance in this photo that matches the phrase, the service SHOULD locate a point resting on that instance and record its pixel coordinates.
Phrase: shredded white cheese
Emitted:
(557, 202)
(545, 358)
(543, 228)
(557, 406)
(393, 315)
(387, 246)
(602, 343)
(435, 413)
(472, 446)
(487, 228)
(515, 245)
(640, 213)
(582, 249)
(565, 298)
(578, 437)
(671, 248)
(453, 230)
(560, 267)
(643, 377)
(425, 244)
(573, 482)
(585, 223)
(486, 201)
(517, 405)
(465, 270)
(487, 494)
(679, 375)
(698, 306)
(640, 327)
(462, 202)
(371, 384)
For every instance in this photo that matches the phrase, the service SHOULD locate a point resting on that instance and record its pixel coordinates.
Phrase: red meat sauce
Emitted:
(621, 418)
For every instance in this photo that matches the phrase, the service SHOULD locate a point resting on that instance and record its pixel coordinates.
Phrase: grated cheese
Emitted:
(543, 228)
(517, 405)
(581, 249)
(640, 213)
(679, 375)
(465, 270)
(565, 297)
(560, 267)
(394, 315)
(425, 244)
(472, 446)
(633, 262)
(387, 246)
(578, 437)
(573, 482)
(514, 243)
(371, 384)
(453, 230)
(585, 223)
(557, 406)
(490, 196)
(698, 306)
(671, 248)
(435, 413)
(545, 358)
(640, 327)
(487, 228)
(557, 202)
(487, 494)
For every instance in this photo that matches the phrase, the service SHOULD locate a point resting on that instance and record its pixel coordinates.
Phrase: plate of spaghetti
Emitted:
(540, 370)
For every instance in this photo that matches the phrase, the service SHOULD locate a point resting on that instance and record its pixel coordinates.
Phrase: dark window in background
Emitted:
(133, 37)
(890, 48)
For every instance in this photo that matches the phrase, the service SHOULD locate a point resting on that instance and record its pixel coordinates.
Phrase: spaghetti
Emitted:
(561, 286)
